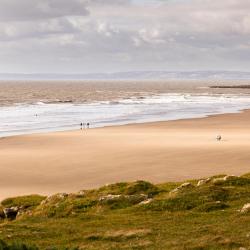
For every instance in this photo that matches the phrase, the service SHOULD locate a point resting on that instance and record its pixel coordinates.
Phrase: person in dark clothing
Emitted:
(218, 138)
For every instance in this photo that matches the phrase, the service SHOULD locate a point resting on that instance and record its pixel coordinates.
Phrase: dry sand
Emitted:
(158, 152)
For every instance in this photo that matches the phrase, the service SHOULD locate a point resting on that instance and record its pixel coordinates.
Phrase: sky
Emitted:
(90, 36)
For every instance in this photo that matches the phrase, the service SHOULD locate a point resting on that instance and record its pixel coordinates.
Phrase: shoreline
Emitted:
(178, 150)
(125, 124)
(44, 118)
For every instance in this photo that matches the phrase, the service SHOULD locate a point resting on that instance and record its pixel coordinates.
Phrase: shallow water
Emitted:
(44, 117)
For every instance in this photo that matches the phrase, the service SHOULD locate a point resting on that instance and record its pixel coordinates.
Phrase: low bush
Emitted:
(16, 246)
(23, 201)
(123, 201)
(238, 181)
(142, 187)
(212, 206)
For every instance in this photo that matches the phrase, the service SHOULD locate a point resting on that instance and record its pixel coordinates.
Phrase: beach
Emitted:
(41, 107)
(69, 161)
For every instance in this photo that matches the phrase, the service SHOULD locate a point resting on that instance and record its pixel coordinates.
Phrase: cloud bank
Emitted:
(86, 36)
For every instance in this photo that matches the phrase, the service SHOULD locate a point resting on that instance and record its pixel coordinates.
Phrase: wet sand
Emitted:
(158, 152)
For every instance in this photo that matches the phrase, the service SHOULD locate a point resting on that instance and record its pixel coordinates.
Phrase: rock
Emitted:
(43, 202)
(132, 199)
(242, 248)
(11, 213)
(24, 212)
(47, 200)
(225, 178)
(218, 180)
(59, 196)
(143, 196)
(80, 194)
(146, 201)
(62, 195)
(175, 190)
(203, 181)
(185, 185)
(20, 213)
(110, 197)
(230, 177)
(245, 209)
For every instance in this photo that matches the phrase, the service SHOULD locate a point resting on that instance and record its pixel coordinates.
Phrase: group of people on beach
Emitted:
(84, 125)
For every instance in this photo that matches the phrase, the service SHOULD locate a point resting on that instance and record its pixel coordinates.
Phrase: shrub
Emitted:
(59, 210)
(2, 215)
(237, 181)
(171, 205)
(16, 246)
(142, 187)
(212, 206)
(138, 187)
(23, 201)
(123, 201)
(118, 188)
(246, 175)
(189, 198)
(83, 205)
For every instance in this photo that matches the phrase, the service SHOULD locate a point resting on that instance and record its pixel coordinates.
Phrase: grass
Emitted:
(15, 246)
(136, 215)
(29, 201)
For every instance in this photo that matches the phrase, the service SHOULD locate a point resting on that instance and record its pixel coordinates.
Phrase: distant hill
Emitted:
(135, 75)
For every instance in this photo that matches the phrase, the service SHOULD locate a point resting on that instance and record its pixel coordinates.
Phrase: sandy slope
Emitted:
(158, 152)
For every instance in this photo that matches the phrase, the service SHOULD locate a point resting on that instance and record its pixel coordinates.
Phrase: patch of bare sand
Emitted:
(158, 152)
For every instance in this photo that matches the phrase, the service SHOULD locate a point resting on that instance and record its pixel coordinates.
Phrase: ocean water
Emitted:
(41, 117)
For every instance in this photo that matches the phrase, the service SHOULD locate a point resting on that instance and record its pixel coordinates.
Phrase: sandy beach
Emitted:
(158, 152)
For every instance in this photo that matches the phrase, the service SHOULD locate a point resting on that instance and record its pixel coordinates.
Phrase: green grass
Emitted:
(15, 246)
(24, 201)
(113, 217)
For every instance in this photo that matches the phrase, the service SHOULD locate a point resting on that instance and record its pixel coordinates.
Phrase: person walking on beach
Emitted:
(88, 125)
(81, 124)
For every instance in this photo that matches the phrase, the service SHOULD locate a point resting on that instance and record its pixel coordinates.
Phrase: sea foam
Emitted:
(44, 117)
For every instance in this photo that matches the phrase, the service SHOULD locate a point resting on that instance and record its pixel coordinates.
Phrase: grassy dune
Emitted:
(136, 215)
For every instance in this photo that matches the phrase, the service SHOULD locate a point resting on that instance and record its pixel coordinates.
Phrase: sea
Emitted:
(27, 108)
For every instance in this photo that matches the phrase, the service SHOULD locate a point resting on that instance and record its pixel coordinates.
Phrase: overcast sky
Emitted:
(81, 36)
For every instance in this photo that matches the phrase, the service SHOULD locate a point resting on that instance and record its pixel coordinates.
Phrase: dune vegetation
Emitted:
(212, 213)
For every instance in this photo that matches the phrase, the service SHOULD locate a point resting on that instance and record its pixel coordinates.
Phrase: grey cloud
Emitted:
(23, 10)
(115, 35)
(109, 2)
(39, 29)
